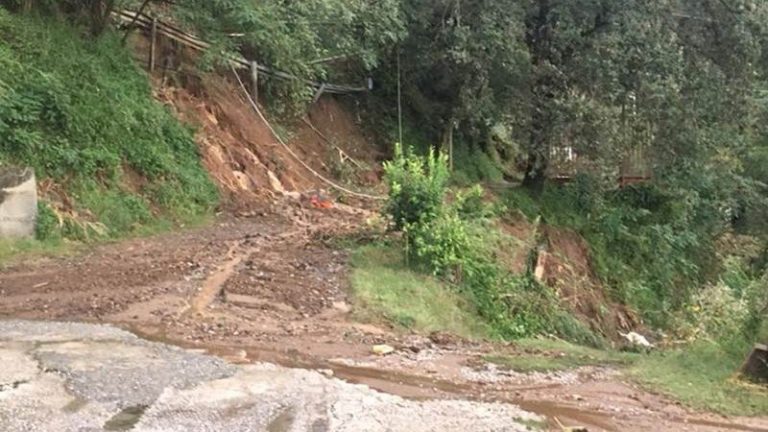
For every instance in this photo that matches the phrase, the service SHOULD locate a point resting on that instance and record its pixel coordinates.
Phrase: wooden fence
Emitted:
(156, 27)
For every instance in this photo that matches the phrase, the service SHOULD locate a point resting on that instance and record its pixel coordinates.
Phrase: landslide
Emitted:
(247, 161)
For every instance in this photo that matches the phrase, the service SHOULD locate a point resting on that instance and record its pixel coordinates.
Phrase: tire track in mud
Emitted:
(213, 286)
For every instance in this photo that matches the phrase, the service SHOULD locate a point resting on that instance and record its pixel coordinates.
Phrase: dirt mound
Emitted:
(566, 266)
(247, 161)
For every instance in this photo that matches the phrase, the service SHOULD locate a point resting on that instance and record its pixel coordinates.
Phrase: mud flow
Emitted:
(268, 288)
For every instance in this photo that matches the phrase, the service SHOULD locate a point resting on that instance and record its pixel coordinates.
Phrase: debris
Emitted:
(319, 200)
(326, 372)
(382, 349)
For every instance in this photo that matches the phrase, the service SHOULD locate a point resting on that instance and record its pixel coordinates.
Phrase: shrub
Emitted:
(417, 186)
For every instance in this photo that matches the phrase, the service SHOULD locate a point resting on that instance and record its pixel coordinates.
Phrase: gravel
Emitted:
(83, 377)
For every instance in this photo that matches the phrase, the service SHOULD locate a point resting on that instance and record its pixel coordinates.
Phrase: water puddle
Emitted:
(283, 422)
(125, 419)
(418, 387)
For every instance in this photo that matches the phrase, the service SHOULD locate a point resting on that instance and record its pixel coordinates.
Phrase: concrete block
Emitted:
(18, 202)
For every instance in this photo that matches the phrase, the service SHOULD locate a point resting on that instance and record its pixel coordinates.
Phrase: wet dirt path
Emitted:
(271, 289)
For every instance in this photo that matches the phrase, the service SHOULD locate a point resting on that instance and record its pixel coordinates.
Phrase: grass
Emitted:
(80, 112)
(385, 290)
(545, 355)
(530, 424)
(702, 376)
(18, 249)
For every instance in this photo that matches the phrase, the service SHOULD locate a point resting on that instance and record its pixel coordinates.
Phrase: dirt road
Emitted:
(272, 288)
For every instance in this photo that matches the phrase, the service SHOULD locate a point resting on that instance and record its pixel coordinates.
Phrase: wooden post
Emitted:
(152, 43)
(450, 147)
(255, 80)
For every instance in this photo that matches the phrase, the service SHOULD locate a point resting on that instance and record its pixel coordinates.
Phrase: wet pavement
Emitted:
(86, 377)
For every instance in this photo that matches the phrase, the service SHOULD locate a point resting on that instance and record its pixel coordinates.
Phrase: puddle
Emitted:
(75, 405)
(283, 422)
(417, 387)
(125, 419)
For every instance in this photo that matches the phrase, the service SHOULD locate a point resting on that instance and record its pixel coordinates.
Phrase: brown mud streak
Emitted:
(418, 387)
(402, 384)
(213, 285)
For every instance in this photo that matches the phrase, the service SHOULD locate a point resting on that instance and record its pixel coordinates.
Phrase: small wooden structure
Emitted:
(566, 163)
(755, 367)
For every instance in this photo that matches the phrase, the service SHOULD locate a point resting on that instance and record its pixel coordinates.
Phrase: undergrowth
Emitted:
(80, 112)
(702, 375)
(456, 240)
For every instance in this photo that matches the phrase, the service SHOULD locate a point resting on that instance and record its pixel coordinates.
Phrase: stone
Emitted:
(382, 349)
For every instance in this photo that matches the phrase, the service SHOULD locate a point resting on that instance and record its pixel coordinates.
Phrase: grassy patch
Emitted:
(701, 376)
(17, 249)
(544, 355)
(384, 289)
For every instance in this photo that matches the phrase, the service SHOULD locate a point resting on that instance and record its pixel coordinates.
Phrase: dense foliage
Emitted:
(309, 39)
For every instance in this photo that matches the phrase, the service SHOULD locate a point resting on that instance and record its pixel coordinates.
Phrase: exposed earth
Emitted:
(268, 288)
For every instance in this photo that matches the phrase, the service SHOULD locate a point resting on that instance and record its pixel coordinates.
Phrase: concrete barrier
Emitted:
(18, 202)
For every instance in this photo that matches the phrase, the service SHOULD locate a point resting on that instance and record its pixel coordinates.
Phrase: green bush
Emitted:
(417, 186)
(47, 227)
(646, 244)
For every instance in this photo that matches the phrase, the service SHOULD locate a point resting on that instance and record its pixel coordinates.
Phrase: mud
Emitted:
(270, 287)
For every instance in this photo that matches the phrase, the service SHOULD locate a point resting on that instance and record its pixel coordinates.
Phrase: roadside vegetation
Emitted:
(109, 159)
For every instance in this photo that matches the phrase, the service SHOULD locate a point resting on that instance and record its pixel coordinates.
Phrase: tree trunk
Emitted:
(538, 39)
(100, 12)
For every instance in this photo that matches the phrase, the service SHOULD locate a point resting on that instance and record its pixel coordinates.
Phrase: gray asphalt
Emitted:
(82, 377)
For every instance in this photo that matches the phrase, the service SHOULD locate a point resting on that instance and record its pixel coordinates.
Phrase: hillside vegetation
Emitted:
(110, 159)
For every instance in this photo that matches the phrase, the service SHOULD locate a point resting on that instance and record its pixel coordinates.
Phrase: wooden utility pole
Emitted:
(255, 80)
(399, 101)
(450, 146)
(152, 43)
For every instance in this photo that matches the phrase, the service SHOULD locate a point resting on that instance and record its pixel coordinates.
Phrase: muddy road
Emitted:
(270, 286)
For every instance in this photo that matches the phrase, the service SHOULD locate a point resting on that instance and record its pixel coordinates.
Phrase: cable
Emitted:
(295, 156)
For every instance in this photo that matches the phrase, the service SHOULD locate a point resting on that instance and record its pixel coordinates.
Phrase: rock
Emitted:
(382, 349)
(637, 340)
